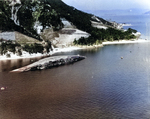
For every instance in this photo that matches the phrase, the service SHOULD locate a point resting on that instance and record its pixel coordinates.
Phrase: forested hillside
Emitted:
(28, 16)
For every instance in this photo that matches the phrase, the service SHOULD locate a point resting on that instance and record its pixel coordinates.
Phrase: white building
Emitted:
(8, 35)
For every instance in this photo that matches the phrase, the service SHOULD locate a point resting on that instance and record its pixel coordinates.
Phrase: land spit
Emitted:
(50, 62)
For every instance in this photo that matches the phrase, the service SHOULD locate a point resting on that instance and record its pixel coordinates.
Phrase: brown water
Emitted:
(100, 87)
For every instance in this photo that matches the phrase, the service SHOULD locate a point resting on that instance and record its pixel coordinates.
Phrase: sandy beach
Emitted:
(125, 41)
(27, 55)
(69, 49)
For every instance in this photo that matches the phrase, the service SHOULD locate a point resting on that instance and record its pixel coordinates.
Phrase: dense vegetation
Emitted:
(80, 19)
(83, 21)
(31, 12)
(7, 24)
(5, 14)
(110, 34)
(11, 46)
(27, 16)
(33, 48)
(6, 46)
(48, 13)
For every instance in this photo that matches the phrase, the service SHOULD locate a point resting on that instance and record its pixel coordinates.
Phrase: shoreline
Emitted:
(13, 57)
(71, 48)
(125, 42)
(26, 55)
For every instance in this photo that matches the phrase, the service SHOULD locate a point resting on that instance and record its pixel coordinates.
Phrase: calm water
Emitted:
(103, 86)
(139, 22)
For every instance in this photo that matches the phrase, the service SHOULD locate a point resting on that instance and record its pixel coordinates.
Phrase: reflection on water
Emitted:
(8, 65)
(103, 86)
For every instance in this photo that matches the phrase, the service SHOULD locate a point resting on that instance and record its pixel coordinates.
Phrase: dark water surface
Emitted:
(103, 86)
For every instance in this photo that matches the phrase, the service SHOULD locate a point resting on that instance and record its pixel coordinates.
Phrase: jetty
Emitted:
(50, 62)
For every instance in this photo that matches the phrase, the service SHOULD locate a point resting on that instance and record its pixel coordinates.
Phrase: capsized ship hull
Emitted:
(50, 62)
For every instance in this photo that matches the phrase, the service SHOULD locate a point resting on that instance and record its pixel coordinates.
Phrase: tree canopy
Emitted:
(110, 34)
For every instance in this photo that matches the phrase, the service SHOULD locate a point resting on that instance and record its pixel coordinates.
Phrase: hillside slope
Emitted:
(24, 15)
(32, 17)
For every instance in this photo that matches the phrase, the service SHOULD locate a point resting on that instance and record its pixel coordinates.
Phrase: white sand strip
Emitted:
(125, 42)
(34, 55)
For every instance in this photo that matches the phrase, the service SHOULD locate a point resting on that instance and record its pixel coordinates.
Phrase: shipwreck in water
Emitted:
(50, 62)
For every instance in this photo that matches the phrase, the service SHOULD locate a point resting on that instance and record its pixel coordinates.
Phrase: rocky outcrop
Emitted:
(15, 6)
(68, 35)
(98, 25)
(64, 37)
(24, 39)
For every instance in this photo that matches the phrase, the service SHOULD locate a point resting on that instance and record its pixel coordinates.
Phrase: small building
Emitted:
(8, 35)
(18, 37)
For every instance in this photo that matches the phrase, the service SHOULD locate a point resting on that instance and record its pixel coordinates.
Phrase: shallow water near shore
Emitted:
(103, 86)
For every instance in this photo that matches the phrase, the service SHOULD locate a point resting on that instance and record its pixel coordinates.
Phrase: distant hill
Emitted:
(132, 11)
